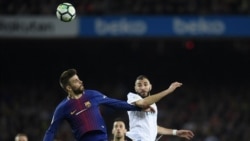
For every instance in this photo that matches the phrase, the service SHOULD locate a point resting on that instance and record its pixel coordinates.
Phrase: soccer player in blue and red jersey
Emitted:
(81, 109)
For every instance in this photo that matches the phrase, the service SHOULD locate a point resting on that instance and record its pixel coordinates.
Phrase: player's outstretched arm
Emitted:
(145, 102)
(187, 134)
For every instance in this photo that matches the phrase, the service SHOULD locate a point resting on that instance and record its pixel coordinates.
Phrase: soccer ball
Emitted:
(66, 12)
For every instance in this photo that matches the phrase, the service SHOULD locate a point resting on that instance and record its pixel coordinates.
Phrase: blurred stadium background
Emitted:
(203, 43)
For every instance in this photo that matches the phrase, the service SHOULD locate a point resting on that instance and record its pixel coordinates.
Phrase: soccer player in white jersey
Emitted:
(143, 125)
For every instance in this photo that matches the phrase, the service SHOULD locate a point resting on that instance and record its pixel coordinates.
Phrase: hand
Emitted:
(174, 85)
(187, 134)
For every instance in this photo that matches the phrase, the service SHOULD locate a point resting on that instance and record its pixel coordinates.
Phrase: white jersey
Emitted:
(142, 125)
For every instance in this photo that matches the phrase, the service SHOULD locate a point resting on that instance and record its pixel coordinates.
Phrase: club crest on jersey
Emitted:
(87, 104)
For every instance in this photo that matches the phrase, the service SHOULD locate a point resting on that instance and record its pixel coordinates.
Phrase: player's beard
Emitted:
(79, 90)
(145, 94)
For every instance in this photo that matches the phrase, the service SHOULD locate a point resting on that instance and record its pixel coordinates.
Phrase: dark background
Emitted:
(213, 101)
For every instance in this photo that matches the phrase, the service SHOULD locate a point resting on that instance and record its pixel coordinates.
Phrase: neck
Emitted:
(73, 96)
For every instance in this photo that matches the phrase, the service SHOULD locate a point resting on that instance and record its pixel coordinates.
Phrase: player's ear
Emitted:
(68, 88)
(150, 87)
(135, 88)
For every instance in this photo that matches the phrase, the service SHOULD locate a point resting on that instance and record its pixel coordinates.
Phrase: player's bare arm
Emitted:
(147, 101)
(187, 134)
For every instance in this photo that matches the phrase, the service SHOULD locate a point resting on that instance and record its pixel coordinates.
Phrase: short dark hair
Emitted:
(119, 119)
(140, 77)
(65, 76)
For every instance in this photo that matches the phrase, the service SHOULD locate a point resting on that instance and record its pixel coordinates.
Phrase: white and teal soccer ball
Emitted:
(66, 12)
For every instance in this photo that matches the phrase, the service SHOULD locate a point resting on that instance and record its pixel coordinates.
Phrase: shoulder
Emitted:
(62, 104)
(133, 97)
(90, 90)
(93, 92)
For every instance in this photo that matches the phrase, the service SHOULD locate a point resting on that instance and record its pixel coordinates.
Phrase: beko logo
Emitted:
(121, 26)
(198, 26)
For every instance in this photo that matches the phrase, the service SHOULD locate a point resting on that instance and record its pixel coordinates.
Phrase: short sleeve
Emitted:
(132, 97)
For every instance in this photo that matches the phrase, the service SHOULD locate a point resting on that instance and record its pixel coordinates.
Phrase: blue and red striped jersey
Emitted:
(83, 114)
